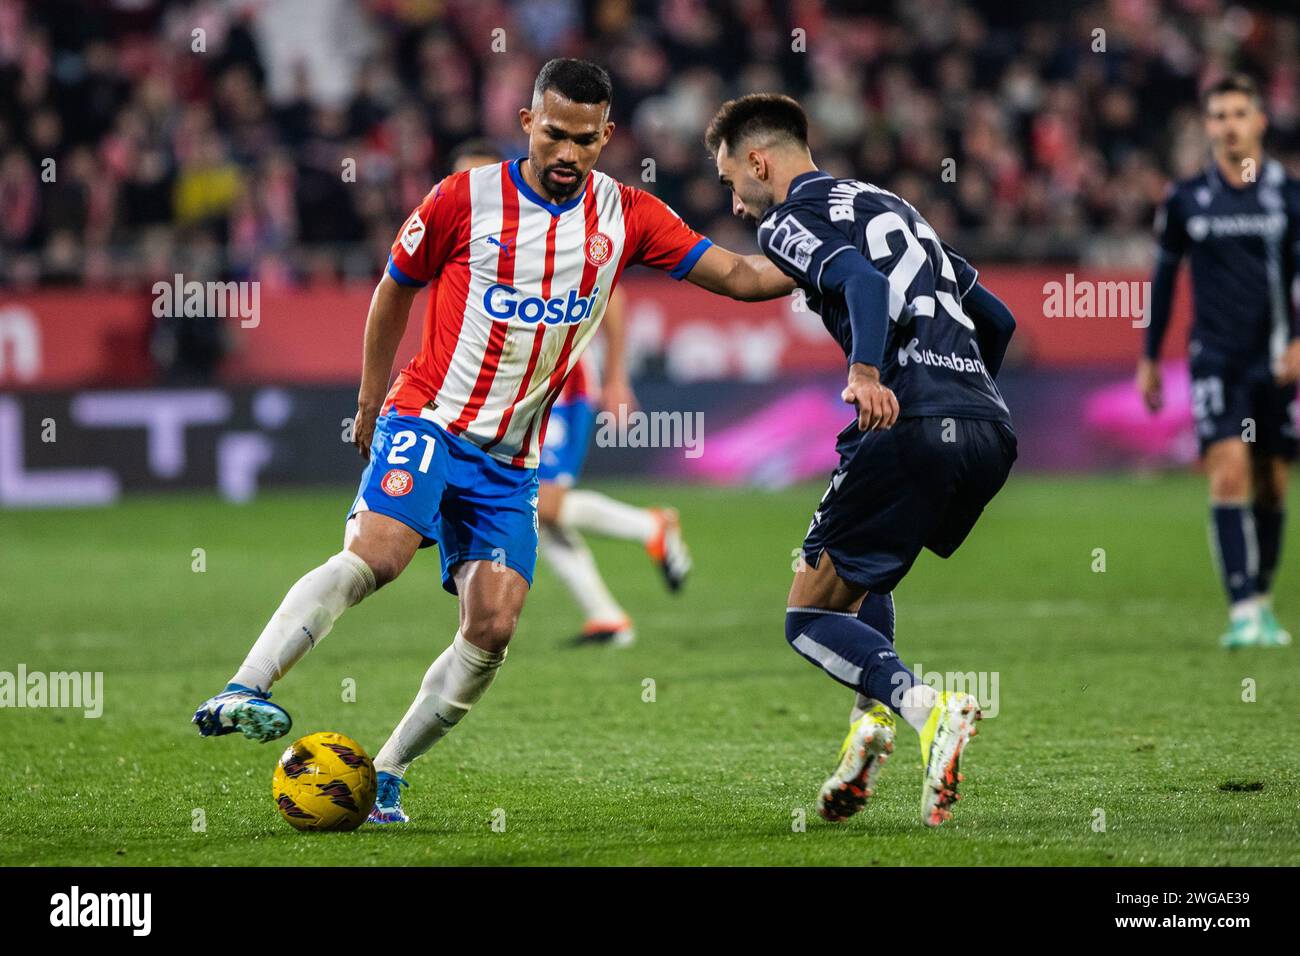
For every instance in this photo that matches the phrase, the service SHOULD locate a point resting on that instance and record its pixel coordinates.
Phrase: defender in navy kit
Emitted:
(930, 447)
(1238, 224)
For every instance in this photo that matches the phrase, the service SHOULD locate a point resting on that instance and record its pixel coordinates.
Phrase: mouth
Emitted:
(563, 177)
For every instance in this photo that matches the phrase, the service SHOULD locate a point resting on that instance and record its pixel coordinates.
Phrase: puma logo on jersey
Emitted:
(505, 246)
(412, 233)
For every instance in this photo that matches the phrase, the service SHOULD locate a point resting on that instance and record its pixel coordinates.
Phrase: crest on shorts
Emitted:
(599, 248)
(397, 483)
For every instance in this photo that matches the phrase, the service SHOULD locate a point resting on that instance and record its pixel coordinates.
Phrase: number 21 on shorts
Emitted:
(403, 442)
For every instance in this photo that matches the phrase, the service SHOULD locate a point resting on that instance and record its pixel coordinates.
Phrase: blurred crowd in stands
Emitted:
(287, 140)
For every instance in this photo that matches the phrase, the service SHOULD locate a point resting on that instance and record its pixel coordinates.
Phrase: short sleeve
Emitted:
(800, 243)
(427, 238)
(658, 236)
(1170, 227)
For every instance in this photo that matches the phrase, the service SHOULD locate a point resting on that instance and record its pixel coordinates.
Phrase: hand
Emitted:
(363, 426)
(1289, 368)
(877, 406)
(1149, 386)
(615, 392)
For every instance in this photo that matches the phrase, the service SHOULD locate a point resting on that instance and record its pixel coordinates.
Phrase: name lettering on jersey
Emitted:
(504, 303)
(911, 352)
(412, 233)
(841, 198)
(842, 194)
(793, 242)
(1269, 226)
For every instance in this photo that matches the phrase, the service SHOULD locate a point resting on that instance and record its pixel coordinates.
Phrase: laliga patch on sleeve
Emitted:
(792, 242)
(412, 233)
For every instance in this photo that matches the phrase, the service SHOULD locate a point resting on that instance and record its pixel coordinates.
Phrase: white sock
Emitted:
(861, 704)
(591, 511)
(571, 559)
(451, 686)
(1244, 610)
(305, 616)
(916, 704)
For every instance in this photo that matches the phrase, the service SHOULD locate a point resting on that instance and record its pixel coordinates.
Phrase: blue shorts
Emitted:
(568, 436)
(473, 507)
(921, 484)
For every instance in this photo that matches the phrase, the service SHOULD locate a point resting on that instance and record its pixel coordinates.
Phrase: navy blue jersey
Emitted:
(932, 361)
(1242, 246)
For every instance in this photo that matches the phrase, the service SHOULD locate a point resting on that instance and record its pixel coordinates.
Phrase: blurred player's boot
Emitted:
(865, 749)
(944, 737)
(245, 709)
(388, 800)
(1245, 632)
(1271, 631)
(611, 633)
(668, 548)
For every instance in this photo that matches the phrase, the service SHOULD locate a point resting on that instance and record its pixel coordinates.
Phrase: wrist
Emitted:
(860, 371)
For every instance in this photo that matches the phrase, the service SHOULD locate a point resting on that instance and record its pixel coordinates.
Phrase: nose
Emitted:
(737, 207)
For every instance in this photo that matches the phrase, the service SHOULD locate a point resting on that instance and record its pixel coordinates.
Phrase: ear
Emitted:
(526, 120)
(609, 133)
(759, 167)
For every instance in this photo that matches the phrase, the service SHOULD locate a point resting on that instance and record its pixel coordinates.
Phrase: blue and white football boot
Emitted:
(388, 800)
(245, 709)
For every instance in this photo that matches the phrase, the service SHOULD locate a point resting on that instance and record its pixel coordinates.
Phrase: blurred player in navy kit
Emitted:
(1238, 222)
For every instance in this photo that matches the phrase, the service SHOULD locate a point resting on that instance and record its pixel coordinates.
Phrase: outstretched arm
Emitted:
(390, 307)
(747, 278)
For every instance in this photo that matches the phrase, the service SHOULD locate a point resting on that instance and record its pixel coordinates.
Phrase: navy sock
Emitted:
(1268, 529)
(1232, 530)
(877, 611)
(851, 651)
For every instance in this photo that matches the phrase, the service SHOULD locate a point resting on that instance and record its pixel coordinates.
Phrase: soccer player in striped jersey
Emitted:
(930, 446)
(565, 513)
(526, 255)
(1238, 223)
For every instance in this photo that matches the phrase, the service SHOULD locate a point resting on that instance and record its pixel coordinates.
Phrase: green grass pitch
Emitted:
(1114, 703)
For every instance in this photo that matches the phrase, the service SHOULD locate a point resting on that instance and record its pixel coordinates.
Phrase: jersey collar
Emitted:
(532, 195)
(803, 179)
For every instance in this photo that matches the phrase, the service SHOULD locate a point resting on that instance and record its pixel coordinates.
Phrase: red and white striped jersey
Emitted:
(522, 284)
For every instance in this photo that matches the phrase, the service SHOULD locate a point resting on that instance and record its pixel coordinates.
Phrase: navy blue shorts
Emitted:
(1247, 404)
(568, 436)
(473, 507)
(921, 484)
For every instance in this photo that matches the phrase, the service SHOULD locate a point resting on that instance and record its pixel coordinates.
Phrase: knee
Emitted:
(490, 630)
(1268, 495)
(1230, 481)
(384, 567)
(1270, 487)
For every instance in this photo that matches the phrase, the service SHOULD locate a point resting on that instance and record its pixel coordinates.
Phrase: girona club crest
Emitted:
(397, 483)
(599, 248)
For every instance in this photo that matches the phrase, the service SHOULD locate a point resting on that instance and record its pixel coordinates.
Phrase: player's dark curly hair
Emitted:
(765, 115)
(580, 81)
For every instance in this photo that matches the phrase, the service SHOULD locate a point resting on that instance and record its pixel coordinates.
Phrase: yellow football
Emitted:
(324, 781)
